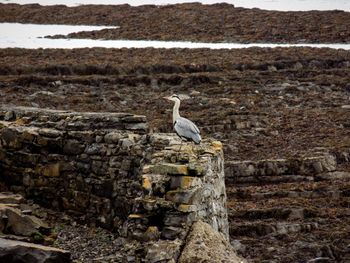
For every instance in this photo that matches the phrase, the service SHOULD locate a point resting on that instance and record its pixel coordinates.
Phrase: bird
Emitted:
(183, 127)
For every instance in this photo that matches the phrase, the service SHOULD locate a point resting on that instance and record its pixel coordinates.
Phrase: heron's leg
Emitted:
(181, 144)
(179, 150)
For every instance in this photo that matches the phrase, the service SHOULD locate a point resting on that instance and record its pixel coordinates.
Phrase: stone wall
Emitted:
(105, 169)
(84, 163)
(181, 186)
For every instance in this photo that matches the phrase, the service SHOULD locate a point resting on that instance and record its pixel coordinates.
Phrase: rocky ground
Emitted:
(263, 104)
(194, 22)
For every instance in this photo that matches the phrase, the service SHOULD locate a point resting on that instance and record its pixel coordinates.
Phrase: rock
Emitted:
(51, 133)
(238, 246)
(17, 251)
(10, 138)
(10, 116)
(171, 233)
(9, 198)
(191, 196)
(137, 126)
(113, 137)
(73, 147)
(184, 182)
(320, 260)
(297, 66)
(168, 168)
(19, 224)
(152, 233)
(204, 244)
(50, 170)
(163, 251)
(333, 175)
(126, 143)
(271, 68)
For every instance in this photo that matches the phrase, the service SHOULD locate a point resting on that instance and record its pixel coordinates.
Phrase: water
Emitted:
(282, 5)
(32, 36)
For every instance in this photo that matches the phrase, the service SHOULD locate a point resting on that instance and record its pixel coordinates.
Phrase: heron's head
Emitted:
(173, 97)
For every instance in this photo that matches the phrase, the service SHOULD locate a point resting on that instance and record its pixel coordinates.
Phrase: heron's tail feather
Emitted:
(197, 138)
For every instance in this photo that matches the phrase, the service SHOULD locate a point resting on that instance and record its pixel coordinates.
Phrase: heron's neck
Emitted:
(176, 113)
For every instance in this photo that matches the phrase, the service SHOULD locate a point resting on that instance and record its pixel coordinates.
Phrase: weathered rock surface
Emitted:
(22, 252)
(204, 244)
(17, 223)
(23, 221)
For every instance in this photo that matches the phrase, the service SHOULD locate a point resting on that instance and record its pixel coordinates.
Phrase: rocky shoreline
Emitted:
(190, 22)
(278, 112)
(282, 114)
(264, 100)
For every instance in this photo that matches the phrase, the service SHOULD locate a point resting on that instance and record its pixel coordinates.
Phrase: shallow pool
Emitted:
(16, 35)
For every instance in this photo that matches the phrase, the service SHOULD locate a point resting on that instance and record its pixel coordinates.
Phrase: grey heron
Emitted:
(183, 127)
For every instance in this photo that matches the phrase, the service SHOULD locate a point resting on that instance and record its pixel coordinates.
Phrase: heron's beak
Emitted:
(167, 98)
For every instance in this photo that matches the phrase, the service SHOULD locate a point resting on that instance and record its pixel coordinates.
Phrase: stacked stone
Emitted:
(104, 170)
(296, 169)
(85, 163)
(181, 185)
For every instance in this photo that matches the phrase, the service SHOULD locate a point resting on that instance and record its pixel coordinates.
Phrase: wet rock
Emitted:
(17, 251)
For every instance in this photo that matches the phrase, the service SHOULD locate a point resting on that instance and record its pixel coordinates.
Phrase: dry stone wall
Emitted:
(106, 169)
(87, 164)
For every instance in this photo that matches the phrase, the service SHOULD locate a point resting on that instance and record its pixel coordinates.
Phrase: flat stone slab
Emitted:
(17, 251)
(10, 198)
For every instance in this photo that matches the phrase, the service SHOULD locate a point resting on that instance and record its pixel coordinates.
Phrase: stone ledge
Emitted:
(74, 121)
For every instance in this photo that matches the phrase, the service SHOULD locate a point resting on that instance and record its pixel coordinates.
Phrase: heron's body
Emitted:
(183, 127)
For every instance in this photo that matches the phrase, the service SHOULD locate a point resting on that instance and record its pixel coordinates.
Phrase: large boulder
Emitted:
(23, 252)
(204, 244)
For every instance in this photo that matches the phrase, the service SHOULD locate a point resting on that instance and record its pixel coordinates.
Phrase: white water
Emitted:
(32, 36)
(282, 5)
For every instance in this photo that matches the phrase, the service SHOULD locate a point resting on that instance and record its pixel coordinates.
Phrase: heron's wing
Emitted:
(186, 128)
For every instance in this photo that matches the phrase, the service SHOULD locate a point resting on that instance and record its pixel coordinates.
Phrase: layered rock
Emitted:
(17, 221)
(181, 186)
